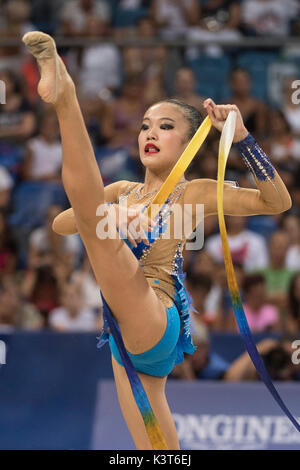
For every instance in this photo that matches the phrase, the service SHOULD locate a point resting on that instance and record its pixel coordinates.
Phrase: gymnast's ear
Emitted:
(65, 223)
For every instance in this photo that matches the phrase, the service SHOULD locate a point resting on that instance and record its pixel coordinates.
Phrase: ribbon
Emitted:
(224, 149)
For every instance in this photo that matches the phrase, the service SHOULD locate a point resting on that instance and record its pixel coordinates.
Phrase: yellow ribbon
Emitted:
(179, 168)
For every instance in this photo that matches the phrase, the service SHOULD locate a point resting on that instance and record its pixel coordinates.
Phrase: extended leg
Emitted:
(141, 316)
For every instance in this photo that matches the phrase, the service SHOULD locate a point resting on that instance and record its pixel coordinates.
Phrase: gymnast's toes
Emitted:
(41, 45)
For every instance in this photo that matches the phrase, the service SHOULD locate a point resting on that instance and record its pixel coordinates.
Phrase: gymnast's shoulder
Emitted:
(113, 191)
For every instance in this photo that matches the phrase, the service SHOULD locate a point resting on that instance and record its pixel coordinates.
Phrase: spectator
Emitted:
(173, 17)
(291, 224)
(16, 116)
(199, 286)
(247, 248)
(6, 185)
(203, 264)
(45, 14)
(268, 17)
(123, 117)
(15, 16)
(253, 110)
(290, 106)
(44, 241)
(75, 16)
(127, 15)
(261, 316)
(85, 278)
(42, 161)
(99, 67)
(15, 312)
(184, 88)
(276, 274)
(203, 364)
(293, 317)
(284, 147)
(277, 358)
(72, 316)
(8, 250)
(41, 287)
(218, 19)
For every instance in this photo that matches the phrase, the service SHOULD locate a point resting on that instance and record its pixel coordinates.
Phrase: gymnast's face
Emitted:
(163, 136)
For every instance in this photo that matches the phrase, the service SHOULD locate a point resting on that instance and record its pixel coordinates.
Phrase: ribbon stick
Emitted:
(224, 149)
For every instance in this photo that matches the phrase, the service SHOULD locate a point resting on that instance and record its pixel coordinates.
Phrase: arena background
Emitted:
(56, 387)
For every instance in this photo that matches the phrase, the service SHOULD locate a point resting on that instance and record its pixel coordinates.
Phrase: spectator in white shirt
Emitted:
(76, 14)
(6, 185)
(44, 153)
(291, 224)
(72, 316)
(44, 240)
(247, 248)
(90, 289)
(174, 17)
(268, 17)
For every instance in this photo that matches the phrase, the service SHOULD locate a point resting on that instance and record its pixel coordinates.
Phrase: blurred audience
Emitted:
(173, 17)
(75, 16)
(293, 318)
(71, 315)
(199, 286)
(217, 19)
(290, 106)
(45, 242)
(247, 248)
(185, 86)
(85, 279)
(17, 122)
(284, 147)
(254, 111)
(122, 119)
(43, 158)
(276, 355)
(261, 316)
(268, 17)
(8, 249)
(15, 21)
(276, 274)
(15, 312)
(6, 185)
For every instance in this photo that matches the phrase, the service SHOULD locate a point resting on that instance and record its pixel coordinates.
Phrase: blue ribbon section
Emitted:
(258, 362)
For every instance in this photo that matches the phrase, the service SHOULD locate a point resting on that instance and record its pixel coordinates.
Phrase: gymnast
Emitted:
(143, 294)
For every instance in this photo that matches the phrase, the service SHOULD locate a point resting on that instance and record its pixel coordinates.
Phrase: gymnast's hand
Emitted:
(129, 220)
(132, 223)
(218, 115)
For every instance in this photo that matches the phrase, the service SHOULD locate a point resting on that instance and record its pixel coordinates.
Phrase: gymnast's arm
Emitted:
(65, 223)
(271, 195)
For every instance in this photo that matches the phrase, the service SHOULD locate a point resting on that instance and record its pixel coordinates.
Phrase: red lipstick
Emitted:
(150, 149)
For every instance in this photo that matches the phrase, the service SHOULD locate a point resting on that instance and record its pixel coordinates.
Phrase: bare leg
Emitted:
(140, 314)
(155, 390)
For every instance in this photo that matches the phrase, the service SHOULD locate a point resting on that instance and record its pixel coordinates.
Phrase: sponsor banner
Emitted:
(209, 415)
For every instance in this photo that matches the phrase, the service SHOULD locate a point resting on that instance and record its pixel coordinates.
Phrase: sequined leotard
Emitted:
(162, 260)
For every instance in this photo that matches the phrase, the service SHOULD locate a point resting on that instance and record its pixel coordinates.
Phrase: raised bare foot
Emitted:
(54, 76)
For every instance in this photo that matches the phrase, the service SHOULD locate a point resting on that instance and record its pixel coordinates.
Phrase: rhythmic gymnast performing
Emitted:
(146, 307)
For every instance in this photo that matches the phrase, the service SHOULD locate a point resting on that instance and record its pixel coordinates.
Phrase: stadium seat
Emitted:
(125, 17)
(211, 75)
(257, 64)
